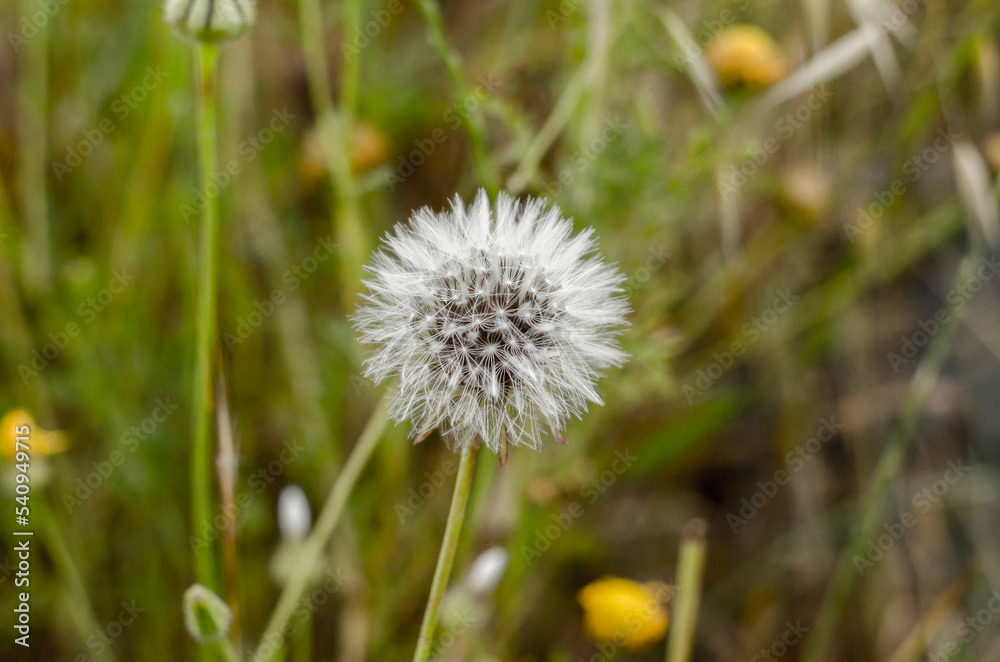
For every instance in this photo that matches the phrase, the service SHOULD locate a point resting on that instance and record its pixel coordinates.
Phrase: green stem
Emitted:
(80, 609)
(690, 566)
(312, 549)
(873, 504)
(352, 63)
(225, 651)
(335, 131)
(452, 61)
(32, 92)
(201, 453)
(446, 557)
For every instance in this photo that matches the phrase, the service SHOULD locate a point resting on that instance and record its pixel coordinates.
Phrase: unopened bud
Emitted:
(487, 570)
(206, 616)
(210, 21)
(294, 517)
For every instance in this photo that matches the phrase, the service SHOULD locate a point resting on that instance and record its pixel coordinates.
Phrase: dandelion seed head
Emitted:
(495, 320)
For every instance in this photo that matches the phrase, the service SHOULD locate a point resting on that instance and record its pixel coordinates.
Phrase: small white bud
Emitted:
(487, 571)
(294, 516)
(210, 21)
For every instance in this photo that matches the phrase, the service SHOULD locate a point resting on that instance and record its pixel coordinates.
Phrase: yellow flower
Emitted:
(745, 54)
(40, 441)
(624, 612)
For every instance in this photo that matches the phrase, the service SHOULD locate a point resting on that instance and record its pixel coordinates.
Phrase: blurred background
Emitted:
(802, 196)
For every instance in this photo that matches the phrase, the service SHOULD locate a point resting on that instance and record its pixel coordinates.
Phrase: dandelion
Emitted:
(496, 322)
(623, 612)
(746, 55)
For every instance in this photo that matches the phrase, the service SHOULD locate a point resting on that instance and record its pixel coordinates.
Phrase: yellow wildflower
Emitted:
(40, 441)
(745, 54)
(623, 612)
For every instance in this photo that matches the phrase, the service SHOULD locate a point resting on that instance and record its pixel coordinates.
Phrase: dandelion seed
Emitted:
(497, 322)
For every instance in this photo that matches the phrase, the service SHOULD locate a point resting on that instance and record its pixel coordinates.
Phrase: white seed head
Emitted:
(495, 321)
(210, 21)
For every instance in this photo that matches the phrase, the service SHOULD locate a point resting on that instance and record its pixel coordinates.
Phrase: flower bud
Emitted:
(487, 570)
(210, 21)
(206, 616)
(294, 516)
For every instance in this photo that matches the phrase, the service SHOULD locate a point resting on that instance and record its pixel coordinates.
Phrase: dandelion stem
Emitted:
(201, 453)
(690, 565)
(273, 637)
(873, 503)
(446, 557)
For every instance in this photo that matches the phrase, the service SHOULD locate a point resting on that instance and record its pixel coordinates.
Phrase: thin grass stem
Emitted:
(690, 567)
(274, 634)
(874, 501)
